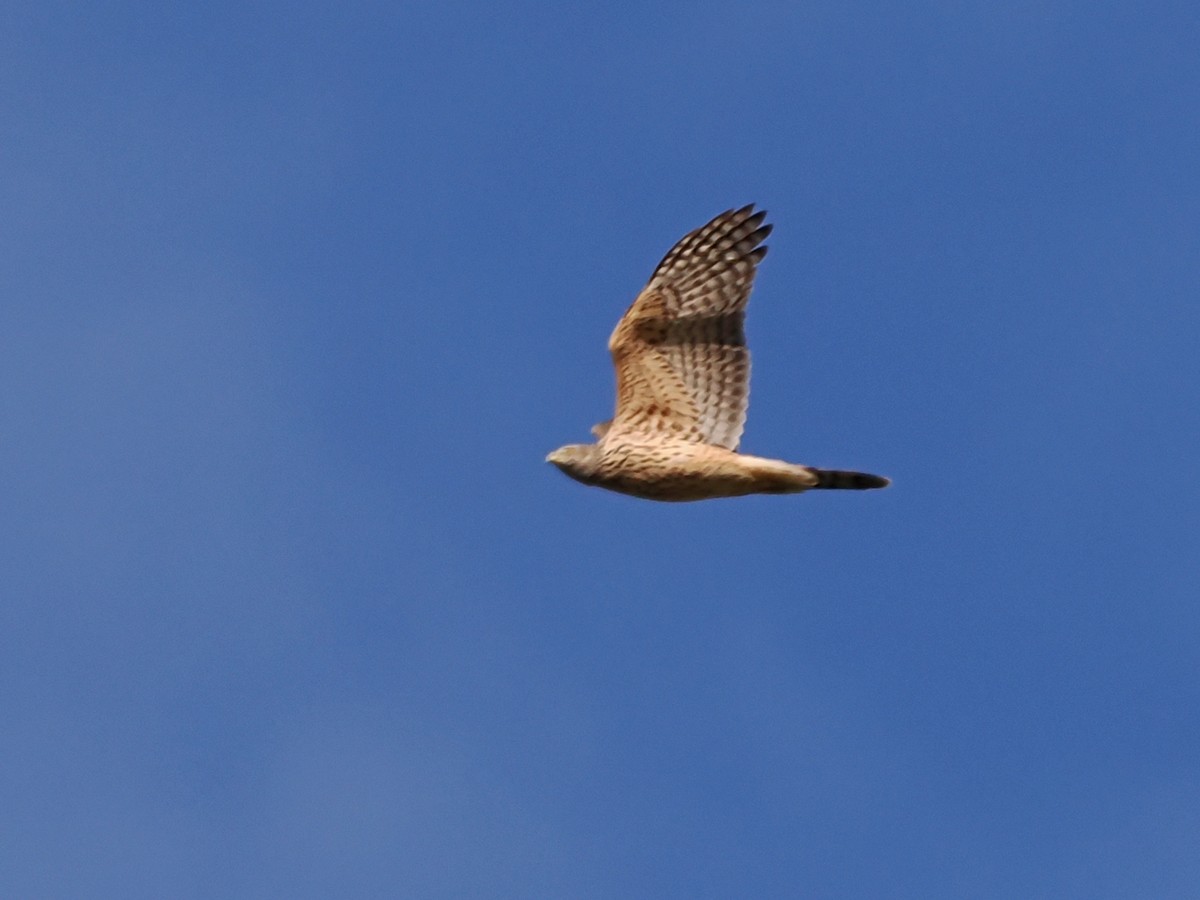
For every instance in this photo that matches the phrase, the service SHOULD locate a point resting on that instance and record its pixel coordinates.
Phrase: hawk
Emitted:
(683, 376)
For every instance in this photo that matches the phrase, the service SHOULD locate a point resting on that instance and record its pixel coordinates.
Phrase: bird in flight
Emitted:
(683, 379)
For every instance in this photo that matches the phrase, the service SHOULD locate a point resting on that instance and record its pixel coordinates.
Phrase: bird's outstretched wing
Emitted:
(683, 369)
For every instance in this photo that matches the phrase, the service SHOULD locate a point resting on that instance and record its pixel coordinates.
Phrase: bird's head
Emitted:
(577, 460)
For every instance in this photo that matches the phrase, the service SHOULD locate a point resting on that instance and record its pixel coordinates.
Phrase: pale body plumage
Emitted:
(683, 375)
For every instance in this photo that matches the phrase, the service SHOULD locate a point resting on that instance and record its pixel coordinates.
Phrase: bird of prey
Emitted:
(683, 375)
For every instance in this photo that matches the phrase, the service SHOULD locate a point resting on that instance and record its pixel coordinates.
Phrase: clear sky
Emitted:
(295, 298)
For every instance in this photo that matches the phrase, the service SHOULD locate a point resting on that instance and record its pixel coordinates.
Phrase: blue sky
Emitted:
(297, 297)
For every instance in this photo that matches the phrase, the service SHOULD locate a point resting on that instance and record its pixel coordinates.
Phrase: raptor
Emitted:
(683, 380)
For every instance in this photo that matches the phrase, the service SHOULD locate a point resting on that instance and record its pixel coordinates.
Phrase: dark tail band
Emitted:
(832, 479)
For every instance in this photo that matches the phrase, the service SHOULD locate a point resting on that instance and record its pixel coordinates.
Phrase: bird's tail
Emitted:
(833, 479)
(774, 476)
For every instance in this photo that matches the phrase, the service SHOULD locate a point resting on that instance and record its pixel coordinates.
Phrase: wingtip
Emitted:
(750, 209)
